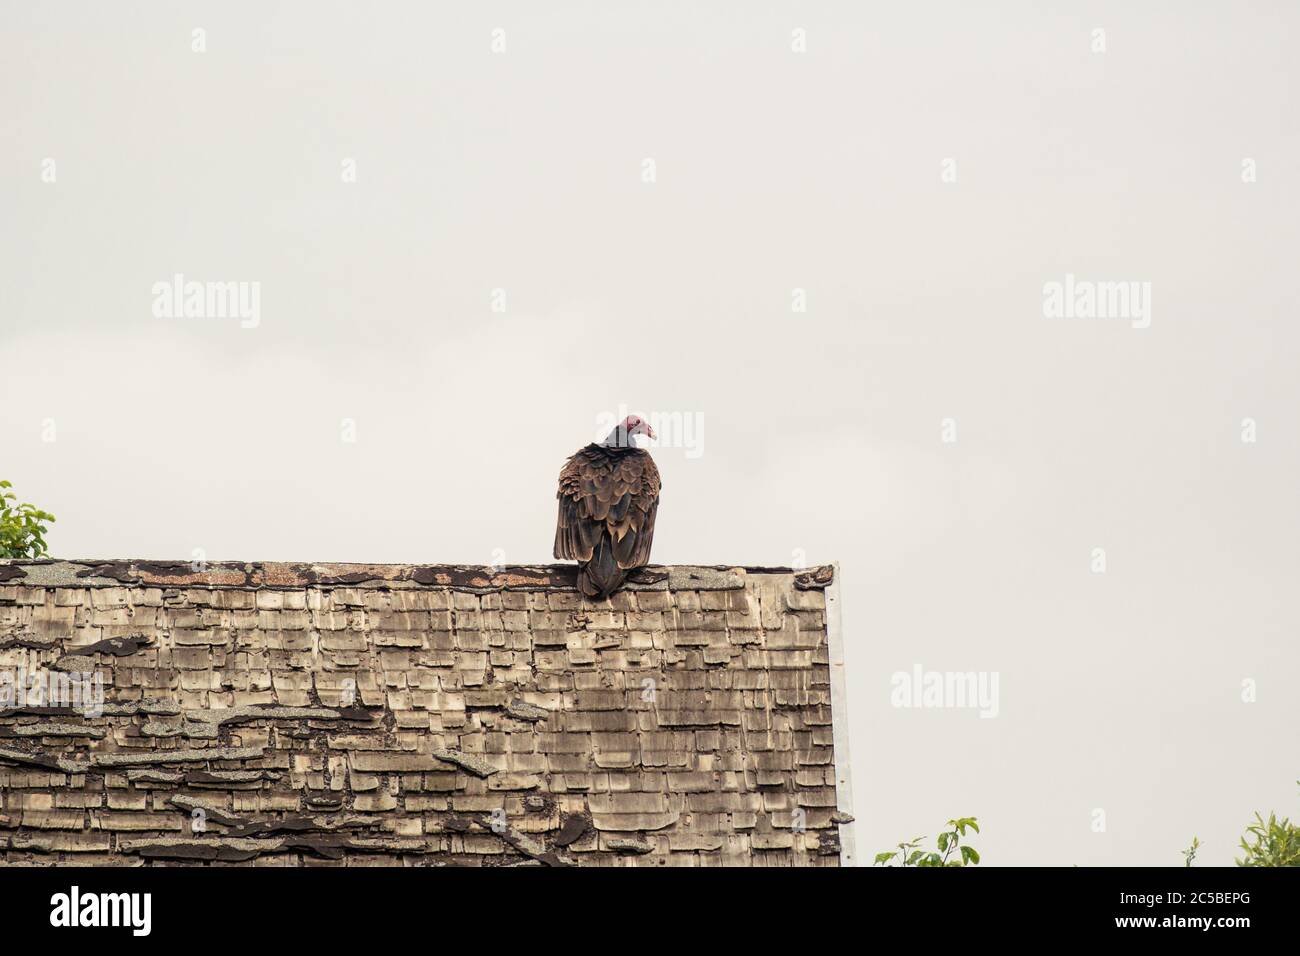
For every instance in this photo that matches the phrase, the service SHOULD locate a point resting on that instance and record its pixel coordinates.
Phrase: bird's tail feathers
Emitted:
(601, 576)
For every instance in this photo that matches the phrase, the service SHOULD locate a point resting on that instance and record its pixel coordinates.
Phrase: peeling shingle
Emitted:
(467, 762)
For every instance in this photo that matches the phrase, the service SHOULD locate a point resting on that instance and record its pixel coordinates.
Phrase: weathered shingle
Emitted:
(418, 715)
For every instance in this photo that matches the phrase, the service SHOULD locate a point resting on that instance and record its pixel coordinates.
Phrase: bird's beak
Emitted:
(650, 431)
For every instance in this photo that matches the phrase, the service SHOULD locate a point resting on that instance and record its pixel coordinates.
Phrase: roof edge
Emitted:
(252, 575)
(840, 719)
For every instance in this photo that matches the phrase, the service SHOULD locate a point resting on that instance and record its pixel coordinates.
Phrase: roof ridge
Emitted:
(47, 572)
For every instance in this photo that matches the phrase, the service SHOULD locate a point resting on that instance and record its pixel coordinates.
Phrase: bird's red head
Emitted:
(636, 425)
(625, 431)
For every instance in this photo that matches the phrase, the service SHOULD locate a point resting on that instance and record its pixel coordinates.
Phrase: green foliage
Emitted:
(22, 527)
(1272, 842)
(948, 842)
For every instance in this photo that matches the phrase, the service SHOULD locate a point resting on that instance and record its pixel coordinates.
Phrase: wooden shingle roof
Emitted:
(420, 715)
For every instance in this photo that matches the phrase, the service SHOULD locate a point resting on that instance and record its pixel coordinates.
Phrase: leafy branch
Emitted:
(949, 842)
(22, 526)
(1273, 842)
(1270, 842)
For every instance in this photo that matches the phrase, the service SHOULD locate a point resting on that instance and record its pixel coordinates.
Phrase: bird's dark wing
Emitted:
(607, 490)
(633, 528)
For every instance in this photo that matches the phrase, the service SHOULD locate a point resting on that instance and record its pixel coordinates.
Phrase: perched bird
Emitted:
(609, 493)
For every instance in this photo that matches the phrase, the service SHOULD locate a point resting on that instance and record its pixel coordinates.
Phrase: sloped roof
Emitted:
(423, 715)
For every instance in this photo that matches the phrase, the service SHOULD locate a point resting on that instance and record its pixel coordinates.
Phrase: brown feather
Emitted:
(607, 491)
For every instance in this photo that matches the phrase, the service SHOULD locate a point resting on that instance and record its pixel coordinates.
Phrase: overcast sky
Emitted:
(463, 259)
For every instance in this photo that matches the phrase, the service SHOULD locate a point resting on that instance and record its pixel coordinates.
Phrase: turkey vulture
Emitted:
(609, 494)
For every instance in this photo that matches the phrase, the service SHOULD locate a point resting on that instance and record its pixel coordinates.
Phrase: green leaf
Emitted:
(22, 527)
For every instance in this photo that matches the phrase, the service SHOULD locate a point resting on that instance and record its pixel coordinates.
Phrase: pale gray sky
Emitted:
(775, 170)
